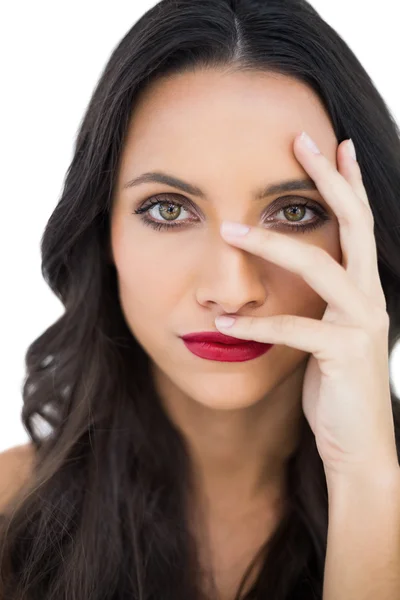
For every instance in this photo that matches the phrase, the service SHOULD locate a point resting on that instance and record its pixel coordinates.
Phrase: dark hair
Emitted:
(104, 514)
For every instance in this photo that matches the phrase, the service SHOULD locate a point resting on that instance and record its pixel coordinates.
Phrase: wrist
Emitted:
(379, 476)
(363, 545)
(365, 490)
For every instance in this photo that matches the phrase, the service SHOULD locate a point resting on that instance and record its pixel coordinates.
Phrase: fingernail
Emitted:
(309, 143)
(231, 228)
(351, 149)
(225, 321)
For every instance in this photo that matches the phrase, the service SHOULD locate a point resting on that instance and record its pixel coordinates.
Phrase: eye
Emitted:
(168, 209)
(295, 211)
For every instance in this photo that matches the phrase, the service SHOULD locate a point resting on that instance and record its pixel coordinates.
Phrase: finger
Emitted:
(323, 339)
(318, 269)
(350, 170)
(349, 167)
(337, 192)
(355, 227)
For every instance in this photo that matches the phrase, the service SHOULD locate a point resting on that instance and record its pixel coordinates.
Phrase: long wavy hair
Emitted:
(103, 515)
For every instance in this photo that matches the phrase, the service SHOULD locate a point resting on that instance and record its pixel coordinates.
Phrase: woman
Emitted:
(178, 468)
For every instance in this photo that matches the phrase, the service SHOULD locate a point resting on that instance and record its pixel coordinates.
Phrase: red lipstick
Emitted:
(214, 345)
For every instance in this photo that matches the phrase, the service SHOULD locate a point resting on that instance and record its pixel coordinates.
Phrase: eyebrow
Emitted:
(274, 188)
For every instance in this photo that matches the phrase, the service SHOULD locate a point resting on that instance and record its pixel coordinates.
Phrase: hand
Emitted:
(346, 389)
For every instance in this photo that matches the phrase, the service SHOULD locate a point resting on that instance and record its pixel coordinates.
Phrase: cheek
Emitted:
(330, 242)
(154, 269)
(144, 286)
(148, 281)
(295, 295)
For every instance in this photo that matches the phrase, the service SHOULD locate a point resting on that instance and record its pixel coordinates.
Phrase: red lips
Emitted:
(213, 337)
(213, 345)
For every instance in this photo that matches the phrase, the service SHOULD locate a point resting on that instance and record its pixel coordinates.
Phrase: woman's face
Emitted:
(228, 134)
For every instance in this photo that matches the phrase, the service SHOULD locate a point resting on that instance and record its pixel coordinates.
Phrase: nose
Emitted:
(232, 280)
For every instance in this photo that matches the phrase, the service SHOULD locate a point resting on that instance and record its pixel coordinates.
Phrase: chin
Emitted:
(229, 397)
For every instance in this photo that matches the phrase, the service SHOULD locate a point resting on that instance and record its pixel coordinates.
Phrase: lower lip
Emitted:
(226, 353)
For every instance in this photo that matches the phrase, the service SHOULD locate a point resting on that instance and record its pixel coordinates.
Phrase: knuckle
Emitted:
(380, 320)
(361, 341)
(287, 322)
(367, 214)
(252, 323)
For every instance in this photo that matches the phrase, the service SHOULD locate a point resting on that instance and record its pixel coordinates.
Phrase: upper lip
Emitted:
(212, 336)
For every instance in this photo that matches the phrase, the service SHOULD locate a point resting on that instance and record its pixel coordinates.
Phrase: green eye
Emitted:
(170, 210)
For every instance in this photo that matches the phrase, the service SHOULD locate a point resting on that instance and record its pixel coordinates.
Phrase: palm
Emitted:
(319, 399)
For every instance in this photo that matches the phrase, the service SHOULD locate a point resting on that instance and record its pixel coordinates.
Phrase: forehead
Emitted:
(223, 120)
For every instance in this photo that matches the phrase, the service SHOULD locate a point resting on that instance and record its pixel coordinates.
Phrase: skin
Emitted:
(228, 133)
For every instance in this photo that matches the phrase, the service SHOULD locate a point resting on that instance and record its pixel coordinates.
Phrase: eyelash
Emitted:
(322, 216)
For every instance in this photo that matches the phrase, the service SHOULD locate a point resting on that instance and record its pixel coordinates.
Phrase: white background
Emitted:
(52, 54)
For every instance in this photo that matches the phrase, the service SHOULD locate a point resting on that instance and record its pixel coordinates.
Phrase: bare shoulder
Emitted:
(15, 468)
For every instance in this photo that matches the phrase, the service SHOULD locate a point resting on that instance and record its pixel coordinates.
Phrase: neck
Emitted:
(239, 455)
